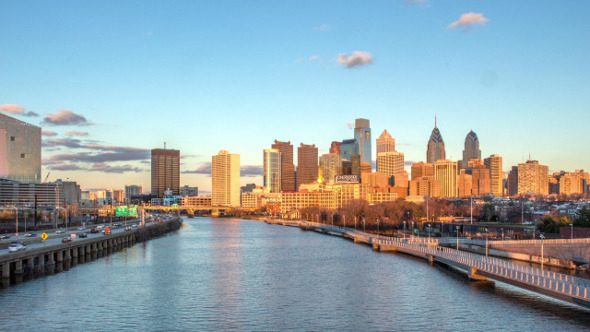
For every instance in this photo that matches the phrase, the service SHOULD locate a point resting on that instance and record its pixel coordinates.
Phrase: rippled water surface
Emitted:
(224, 274)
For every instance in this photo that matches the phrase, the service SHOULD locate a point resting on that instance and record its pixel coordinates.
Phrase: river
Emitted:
(228, 274)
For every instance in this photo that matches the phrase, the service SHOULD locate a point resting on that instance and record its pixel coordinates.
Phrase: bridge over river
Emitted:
(478, 267)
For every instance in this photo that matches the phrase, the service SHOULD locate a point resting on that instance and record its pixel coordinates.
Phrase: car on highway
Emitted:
(94, 230)
(100, 227)
(106, 232)
(30, 234)
(16, 246)
(81, 228)
(82, 235)
(4, 236)
(66, 239)
(127, 228)
(59, 231)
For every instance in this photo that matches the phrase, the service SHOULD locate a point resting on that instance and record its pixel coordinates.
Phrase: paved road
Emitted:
(55, 238)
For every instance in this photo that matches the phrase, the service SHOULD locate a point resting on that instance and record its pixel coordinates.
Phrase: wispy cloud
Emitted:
(357, 58)
(468, 20)
(76, 133)
(205, 168)
(313, 57)
(65, 118)
(251, 170)
(16, 110)
(48, 133)
(115, 169)
(350, 125)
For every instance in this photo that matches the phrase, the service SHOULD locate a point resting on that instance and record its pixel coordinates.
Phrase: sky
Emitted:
(110, 80)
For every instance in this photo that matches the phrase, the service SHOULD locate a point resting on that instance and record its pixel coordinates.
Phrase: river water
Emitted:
(227, 274)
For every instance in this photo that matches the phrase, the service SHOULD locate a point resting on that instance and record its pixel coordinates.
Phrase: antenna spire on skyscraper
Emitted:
(435, 121)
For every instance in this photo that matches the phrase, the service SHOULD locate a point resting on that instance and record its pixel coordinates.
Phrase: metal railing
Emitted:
(536, 277)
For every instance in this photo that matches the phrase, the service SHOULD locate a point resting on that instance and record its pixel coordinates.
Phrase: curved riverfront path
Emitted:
(478, 267)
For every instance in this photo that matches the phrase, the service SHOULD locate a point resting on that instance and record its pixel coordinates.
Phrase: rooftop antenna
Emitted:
(435, 121)
(164, 145)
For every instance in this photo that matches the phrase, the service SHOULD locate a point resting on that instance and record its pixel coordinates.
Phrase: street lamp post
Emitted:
(542, 259)
(457, 237)
(572, 228)
(404, 229)
(486, 242)
(412, 229)
(16, 214)
(429, 233)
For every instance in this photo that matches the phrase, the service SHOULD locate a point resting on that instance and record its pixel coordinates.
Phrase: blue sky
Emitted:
(111, 80)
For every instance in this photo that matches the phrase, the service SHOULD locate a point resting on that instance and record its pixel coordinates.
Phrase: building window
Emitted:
(22, 155)
(12, 138)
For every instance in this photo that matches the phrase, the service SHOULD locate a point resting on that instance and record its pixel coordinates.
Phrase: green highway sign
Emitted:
(121, 211)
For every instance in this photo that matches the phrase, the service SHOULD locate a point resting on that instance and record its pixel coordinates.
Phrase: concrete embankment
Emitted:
(41, 260)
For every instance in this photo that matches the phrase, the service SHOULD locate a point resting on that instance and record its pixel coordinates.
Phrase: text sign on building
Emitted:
(354, 178)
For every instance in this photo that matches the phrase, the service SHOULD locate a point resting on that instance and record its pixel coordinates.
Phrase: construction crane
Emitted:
(46, 177)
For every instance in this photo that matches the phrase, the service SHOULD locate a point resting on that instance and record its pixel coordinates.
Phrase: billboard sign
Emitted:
(354, 178)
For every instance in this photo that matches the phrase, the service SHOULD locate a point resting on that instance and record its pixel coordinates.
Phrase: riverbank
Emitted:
(39, 260)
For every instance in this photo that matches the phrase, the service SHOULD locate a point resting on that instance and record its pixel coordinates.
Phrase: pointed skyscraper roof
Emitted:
(385, 135)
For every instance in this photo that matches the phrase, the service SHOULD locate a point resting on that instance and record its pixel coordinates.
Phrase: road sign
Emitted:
(44, 236)
(121, 211)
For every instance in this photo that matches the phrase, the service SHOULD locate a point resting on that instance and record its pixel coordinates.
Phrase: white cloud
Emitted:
(468, 20)
(15, 109)
(357, 58)
(313, 57)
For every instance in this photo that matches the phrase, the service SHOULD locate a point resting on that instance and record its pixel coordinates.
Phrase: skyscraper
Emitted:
(287, 165)
(385, 143)
(446, 172)
(335, 147)
(20, 150)
(362, 134)
(422, 169)
(272, 170)
(165, 171)
(494, 164)
(471, 150)
(330, 166)
(307, 164)
(225, 178)
(529, 178)
(390, 163)
(436, 146)
(349, 148)
(132, 190)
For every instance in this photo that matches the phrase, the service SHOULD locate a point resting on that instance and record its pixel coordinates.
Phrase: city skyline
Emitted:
(106, 94)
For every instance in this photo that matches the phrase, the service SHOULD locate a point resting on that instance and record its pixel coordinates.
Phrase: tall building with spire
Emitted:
(225, 178)
(287, 165)
(307, 164)
(362, 134)
(471, 150)
(436, 146)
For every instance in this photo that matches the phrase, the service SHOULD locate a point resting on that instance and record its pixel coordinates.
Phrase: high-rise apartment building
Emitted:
(446, 172)
(335, 147)
(186, 191)
(471, 150)
(272, 170)
(436, 146)
(225, 178)
(330, 166)
(287, 165)
(425, 186)
(422, 169)
(465, 182)
(494, 164)
(132, 190)
(481, 182)
(529, 178)
(307, 164)
(362, 134)
(20, 150)
(165, 171)
(390, 163)
(573, 182)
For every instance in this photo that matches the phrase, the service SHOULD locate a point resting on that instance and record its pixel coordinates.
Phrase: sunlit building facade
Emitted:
(225, 178)
(436, 146)
(20, 150)
(307, 164)
(445, 171)
(271, 175)
(287, 165)
(165, 171)
(494, 164)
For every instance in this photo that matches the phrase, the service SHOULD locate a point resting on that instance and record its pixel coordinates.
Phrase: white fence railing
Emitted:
(547, 280)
